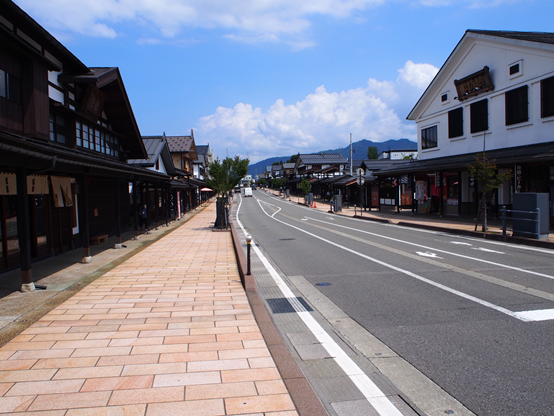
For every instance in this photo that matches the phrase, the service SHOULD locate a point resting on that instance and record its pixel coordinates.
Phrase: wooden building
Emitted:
(66, 132)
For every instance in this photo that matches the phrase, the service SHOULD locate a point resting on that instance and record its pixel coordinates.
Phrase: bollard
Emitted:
(248, 241)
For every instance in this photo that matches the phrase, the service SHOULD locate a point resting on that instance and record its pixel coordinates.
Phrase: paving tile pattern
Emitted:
(169, 331)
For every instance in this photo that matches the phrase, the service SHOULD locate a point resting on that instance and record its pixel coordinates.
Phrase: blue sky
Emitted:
(263, 78)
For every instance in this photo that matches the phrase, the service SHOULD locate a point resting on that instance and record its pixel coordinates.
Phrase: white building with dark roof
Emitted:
(494, 93)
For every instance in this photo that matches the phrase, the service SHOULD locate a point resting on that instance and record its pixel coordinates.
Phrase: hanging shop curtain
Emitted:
(8, 184)
(37, 185)
(61, 189)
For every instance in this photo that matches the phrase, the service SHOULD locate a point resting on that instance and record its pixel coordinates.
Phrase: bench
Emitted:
(96, 240)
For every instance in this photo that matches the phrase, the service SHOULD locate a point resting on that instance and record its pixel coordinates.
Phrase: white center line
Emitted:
(436, 249)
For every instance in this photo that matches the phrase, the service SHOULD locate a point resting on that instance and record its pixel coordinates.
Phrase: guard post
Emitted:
(248, 241)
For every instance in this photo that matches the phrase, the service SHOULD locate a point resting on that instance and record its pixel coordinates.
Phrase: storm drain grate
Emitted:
(288, 305)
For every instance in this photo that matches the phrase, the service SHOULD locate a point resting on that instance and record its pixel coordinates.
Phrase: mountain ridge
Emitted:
(359, 148)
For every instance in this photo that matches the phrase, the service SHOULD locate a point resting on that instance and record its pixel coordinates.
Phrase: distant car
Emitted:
(247, 192)
(254, 187)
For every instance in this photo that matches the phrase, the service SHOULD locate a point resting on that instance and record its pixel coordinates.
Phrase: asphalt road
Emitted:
(460, 310)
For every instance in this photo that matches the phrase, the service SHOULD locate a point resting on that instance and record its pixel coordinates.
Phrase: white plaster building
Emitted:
(495, 92)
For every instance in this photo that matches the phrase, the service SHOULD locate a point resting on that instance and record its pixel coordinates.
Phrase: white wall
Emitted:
(536, 63)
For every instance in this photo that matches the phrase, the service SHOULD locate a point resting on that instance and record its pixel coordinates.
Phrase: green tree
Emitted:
(372, 152)
(280, 163)
(489, 179)
(305, 186)
(293, 158)
(224, 176)
(279, 182)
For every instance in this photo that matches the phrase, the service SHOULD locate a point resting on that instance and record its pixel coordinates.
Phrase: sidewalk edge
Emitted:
(306, 401)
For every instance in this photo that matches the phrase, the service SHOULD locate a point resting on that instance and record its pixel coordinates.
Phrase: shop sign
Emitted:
(518, 178)
(452, 201)
(437, 179)
(471, 181)
(474, 84)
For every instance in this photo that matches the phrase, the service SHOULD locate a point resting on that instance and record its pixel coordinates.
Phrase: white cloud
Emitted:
(323, 120)
(418, 75)
(474, 4)
(245, 19)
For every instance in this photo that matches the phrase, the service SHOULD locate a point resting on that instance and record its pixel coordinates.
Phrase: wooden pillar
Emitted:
(135, 208)
(147, 200)
(117, 214)
(83, 219)
(398, 193)
(23, 231)
(167, 206)
(156, 205)
(413, 194)
(429, 198)
(379, 195)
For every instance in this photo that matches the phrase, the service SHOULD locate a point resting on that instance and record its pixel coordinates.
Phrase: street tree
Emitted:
(489, 179)
(278, 183)
(224, 176)
(305, 186)
(372, 152)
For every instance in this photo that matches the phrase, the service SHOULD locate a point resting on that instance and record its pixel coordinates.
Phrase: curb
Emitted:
(306, 401)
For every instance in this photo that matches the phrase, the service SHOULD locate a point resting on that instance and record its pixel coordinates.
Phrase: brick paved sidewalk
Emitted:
(168, 332)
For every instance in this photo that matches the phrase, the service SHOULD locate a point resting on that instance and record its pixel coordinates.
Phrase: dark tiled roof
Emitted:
(154, 146)
(330, 179)
(538, 153)
(378, 164)
(324, 159)
(276, 167)
(345, 180)
(541, 37)
(179, 144)
(289, 165)
(202, 149)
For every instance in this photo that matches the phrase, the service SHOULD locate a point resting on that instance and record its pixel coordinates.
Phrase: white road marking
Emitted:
(538, 315)
(460, 243)
(428, 254)
(368, 388)
(488, 250)
(526, 316)
(440, 233)
(409, 273)
(438, 250)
